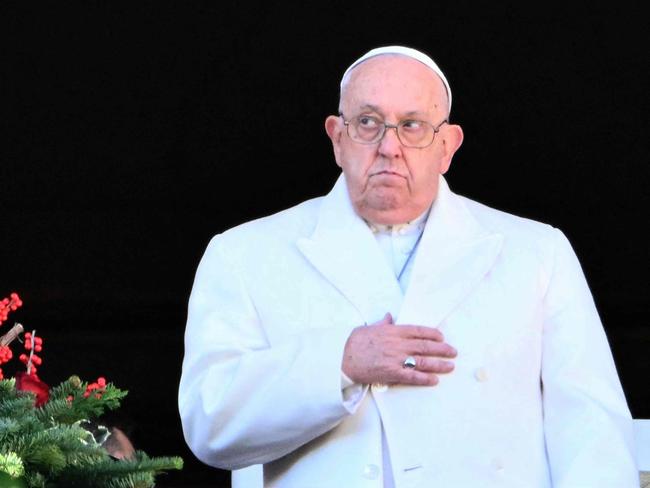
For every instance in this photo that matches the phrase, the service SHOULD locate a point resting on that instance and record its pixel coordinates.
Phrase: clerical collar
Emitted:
(405, 228)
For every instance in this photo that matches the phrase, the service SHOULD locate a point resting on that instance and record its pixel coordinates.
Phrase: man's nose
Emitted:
(390, 145)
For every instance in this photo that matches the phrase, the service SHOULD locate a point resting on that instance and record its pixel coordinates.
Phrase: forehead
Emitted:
(394, 84)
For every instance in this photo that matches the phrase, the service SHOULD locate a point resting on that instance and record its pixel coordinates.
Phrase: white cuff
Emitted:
(352, 393)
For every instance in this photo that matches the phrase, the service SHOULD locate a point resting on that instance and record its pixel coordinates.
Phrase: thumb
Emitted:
(388, 319)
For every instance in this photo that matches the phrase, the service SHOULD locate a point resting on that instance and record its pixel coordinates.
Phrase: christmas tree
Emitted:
(54, 437)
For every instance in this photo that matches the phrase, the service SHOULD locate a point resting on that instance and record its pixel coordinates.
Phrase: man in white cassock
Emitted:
(395, 334)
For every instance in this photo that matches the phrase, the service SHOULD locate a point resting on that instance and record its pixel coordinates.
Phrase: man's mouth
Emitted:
(386, 173)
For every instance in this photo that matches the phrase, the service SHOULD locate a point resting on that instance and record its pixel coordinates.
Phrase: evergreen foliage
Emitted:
(51, 447)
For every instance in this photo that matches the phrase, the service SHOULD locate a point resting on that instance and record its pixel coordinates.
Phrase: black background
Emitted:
(132, 132)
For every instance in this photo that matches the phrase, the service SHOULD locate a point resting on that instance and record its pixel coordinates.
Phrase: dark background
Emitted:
(132, 132)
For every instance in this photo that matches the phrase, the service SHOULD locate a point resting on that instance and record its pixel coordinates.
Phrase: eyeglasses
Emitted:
(366, 129)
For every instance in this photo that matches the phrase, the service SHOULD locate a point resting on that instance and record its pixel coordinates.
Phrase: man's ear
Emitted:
(334, 129)
(452, 138)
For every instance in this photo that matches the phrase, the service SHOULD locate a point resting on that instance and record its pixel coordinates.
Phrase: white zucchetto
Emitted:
(403, 51)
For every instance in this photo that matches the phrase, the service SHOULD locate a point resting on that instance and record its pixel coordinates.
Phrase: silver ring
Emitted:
(409, 362)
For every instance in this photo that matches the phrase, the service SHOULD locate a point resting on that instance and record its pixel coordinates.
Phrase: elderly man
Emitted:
(395, 334)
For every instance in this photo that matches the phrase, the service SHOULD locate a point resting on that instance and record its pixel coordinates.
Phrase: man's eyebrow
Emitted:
(415, 112)
(371, 107)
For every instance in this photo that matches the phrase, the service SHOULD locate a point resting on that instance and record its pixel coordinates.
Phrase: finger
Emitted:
(427, 347)
(386, 320)
(418, 378)
(433, 365)
(422, 332)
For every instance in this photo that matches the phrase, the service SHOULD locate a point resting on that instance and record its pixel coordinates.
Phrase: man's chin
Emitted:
(385, 207)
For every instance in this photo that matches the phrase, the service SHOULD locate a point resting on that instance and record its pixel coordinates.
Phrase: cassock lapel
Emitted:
(454, 255)
(344, 250)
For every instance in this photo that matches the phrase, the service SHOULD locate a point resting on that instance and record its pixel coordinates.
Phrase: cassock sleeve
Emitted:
(587, 424)
(241, 401)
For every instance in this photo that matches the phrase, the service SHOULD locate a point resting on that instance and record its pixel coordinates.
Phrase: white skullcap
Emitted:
(404, 51)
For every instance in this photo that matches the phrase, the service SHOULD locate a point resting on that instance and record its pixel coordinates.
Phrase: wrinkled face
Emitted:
(387, 182)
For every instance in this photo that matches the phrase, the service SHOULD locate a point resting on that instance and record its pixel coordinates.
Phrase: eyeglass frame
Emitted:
(436, 129)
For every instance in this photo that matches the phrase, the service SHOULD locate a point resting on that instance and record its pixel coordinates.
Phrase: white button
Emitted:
(379, 387)
(402, 231)
(371, 471)
(481, 374)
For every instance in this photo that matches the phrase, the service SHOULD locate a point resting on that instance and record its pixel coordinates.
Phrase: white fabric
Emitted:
(642, 441)
(403, 51)
(272, 306)
(397, 242)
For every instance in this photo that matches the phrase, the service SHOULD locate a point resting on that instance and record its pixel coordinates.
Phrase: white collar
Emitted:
(405, 228)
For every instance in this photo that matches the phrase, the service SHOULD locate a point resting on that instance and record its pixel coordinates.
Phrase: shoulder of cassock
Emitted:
(334, 213)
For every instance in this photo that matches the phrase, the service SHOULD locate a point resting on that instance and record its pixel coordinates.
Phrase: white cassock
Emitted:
(534, 400)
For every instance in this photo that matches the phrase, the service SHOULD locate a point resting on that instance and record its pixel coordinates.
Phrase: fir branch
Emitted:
(11, 464)
(55, 448)
(71, 386)
(35, 479)
(16, 406)
(7, 388)
(136, 480)
(106, 472)
(46, 458)
(8, 428)
(141, 464)
(72, 442)
(61, 409)
(17, 427)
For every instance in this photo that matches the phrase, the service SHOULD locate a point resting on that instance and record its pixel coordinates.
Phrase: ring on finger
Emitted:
(409, 362)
